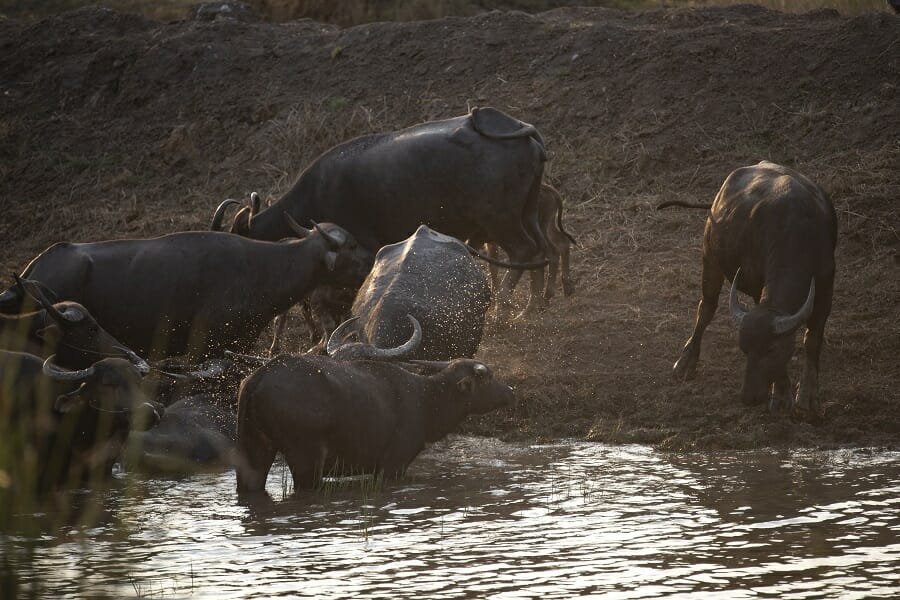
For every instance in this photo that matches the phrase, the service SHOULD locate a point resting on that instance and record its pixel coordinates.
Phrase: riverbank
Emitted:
(114, 125)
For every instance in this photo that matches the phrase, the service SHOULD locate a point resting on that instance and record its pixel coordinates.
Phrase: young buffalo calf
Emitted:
(334, 417)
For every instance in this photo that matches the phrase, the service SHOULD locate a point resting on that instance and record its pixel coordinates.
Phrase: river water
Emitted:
(478, 518)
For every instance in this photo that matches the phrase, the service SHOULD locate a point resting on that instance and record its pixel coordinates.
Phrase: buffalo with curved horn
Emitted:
(366, 351)
(66, 329)
(197, 292)
(773, 232)
(352, 417)
(66, 427)
(431, 277)
(476, 172)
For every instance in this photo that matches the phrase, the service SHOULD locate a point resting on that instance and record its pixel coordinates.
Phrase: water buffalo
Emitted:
(430, 276)
(773, 232)
(477, 172)
(65, 427)
(334, 417)
(559, 243)
(65, 329)
(196, 293)
(195, 433)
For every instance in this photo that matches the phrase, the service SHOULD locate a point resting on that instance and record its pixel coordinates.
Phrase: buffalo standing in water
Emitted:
(334, 417)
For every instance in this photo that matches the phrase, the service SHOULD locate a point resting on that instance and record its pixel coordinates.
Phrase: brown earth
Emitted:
(113, 125)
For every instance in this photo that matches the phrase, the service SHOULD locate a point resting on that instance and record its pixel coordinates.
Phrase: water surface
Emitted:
(482, 519)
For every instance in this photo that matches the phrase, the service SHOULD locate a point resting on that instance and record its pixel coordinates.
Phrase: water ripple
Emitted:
(478, 518)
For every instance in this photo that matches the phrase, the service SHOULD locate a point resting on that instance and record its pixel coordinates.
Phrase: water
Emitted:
(478, 518)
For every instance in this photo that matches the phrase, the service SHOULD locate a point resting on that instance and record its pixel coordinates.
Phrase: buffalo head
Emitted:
(347, 263)
(111, 386)
(76, 336)
(767, 338)
(474, 383)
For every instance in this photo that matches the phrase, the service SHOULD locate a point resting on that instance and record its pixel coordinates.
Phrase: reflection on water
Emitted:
(478, 518)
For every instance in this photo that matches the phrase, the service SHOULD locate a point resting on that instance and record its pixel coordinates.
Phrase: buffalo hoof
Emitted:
(685, 368)
(533, 309)
(806, 406)
(778, 402)
(807, 415)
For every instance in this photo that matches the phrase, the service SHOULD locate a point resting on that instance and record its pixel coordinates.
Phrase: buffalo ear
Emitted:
(330, 260)
(49, 334)
(465, 385)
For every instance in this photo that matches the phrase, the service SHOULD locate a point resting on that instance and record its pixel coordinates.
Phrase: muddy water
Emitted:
(477, 518)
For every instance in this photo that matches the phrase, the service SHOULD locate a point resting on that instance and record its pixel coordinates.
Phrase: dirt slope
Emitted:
(114, 125)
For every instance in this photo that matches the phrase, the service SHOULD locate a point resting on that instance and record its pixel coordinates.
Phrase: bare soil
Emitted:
(114, 125)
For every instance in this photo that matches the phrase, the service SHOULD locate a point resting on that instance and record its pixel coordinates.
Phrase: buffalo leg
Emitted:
(255, 459)
(510, 279)
(568, 286)
(781, 393)
(306, 465)
(503, 300)
(309, 318)
(712, 279)
(278, 335)
(325, 322)
(552, 271)
(807, 400)
(494, 252)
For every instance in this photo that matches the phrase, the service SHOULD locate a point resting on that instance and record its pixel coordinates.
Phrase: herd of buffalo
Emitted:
(134, 350)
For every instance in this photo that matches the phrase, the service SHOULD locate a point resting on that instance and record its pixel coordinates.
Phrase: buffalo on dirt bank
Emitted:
(773, 232)
(479, 172)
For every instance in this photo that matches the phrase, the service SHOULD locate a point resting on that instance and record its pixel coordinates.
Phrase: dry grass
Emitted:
(292, 141)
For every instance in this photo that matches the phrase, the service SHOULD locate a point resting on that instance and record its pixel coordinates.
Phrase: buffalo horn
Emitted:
(139, 363)
(53, 371)
(738, 311)
(335, 239)
(480, 369)
(254, 204)
(400, 351)
(434, 365)
(248, 358)
(338, 335)
(789, 323)
(216, 224)
(299, 230)
(33, 290)
(174, 376)
(212, 369)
